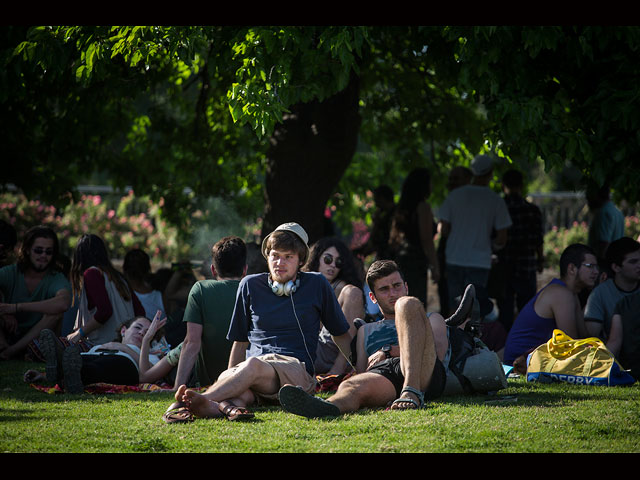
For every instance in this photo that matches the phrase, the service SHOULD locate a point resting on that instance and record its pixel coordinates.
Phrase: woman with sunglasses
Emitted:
(106, 299)
(333, 259)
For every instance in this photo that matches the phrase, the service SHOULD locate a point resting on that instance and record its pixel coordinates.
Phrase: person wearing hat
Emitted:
(205, 352)
(274, 329)
(469, 218)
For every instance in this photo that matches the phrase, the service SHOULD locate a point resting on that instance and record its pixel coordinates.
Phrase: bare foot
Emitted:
(198, 404)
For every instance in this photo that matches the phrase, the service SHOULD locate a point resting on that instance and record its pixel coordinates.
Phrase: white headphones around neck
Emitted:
(286, 289)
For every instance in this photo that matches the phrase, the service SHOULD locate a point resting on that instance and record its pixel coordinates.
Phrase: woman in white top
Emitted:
(127, 361)
(137, 269)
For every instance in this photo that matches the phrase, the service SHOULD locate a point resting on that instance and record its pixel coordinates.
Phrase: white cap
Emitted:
(294, 228)
(481, 165)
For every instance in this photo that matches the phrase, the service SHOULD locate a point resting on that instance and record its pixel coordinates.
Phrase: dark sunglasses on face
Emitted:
(328, 259)
(40, 251)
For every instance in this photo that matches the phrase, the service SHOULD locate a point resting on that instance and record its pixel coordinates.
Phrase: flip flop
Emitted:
(414, 404)
(178, 412)
(295, 400)
(234, 412)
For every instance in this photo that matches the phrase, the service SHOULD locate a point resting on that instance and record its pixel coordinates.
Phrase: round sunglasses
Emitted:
(327, 258)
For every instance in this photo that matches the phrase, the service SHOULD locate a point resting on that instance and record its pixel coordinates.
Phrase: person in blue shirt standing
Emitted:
(274, 329)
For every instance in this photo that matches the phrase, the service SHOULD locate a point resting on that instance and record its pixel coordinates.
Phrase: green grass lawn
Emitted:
(523, 418)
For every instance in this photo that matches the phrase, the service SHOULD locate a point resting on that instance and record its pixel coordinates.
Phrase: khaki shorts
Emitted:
(290, 371)
(173, 357)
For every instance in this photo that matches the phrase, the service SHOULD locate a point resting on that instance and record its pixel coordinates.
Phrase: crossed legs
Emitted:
(236, 385)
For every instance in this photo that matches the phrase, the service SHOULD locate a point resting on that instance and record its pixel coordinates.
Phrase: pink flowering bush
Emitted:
(133, 223)
(557, 239)
(632, 227)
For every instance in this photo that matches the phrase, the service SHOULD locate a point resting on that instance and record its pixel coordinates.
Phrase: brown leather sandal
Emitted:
(234, 412)
(178, 412)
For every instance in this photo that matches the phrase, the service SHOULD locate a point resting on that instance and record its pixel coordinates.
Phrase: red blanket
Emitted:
(102, 388)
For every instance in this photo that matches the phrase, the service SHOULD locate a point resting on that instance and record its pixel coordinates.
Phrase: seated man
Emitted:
(623, 257)
(555, 306)
(626, 347)
(208, 314)
(274, 328)
(35, 294)
(413, 371)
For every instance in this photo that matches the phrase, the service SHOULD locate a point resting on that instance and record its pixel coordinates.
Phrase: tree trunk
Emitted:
(309, 153)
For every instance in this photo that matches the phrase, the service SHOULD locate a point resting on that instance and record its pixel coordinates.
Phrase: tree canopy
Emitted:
(283, 120)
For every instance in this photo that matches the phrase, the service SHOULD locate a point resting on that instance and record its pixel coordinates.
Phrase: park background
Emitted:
(127, 222)
(169, 137)
(187, 133)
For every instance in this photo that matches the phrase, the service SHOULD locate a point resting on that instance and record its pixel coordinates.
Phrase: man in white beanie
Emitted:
(274, 329)
(474, 220)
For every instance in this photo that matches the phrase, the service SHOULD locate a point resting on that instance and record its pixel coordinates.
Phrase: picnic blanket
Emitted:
(328, 383)
(107, 388)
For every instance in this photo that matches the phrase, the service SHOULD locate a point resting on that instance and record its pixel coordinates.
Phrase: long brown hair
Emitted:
(40, 231)
(92, 252)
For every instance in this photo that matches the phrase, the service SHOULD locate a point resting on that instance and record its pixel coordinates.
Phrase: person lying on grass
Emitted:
(413, 370)
(124, 362)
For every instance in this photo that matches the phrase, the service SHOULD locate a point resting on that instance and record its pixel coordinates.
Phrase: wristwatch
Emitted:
(387, 351)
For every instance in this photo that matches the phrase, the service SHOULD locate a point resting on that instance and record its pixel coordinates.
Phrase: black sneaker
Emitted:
(295, 400)
(465, 307)
(51, 348)
(71, 369)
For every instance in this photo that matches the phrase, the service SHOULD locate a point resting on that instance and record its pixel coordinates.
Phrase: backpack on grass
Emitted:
(585, 361)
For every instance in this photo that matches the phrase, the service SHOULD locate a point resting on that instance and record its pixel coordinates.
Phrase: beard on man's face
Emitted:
(39, 266)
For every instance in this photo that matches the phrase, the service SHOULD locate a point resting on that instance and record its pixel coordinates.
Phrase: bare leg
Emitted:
(417, 346)
(361, 391)
(235, 385)
(51, 322)
(440, 337)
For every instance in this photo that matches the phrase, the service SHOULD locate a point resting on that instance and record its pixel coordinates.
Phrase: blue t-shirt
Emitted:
(282, 325)
(529, 330)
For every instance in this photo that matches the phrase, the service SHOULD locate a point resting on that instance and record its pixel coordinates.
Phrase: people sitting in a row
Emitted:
(557, 305)
(102, 293)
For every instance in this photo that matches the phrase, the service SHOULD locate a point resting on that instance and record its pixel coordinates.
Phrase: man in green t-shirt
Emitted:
(34, 294)
(208, 313)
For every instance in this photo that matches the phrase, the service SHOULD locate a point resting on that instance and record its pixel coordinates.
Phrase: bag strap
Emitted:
(562, 345)
(588, 363)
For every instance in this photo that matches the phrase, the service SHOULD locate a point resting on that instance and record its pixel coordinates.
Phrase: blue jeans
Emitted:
(459, 277)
